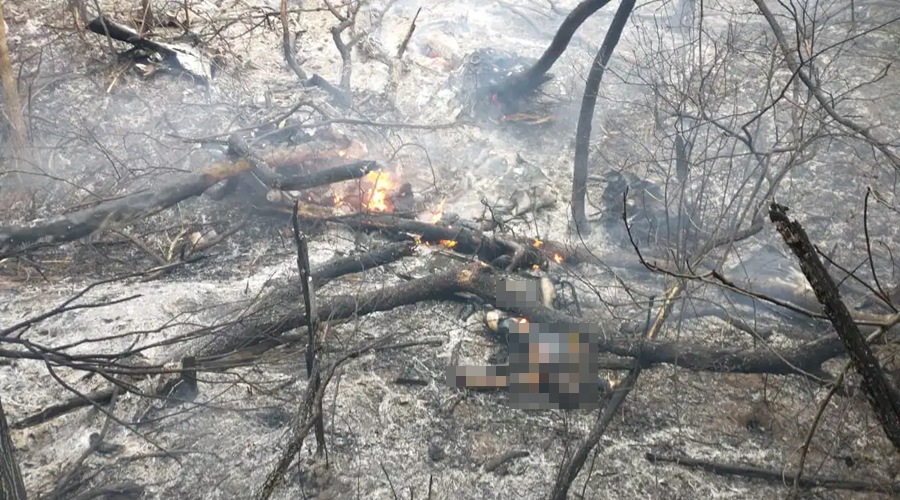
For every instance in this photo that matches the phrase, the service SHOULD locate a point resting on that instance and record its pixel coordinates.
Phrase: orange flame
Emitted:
(537, 243)
(449, 243)
(558, 258)
(376, 198)
(437, 213)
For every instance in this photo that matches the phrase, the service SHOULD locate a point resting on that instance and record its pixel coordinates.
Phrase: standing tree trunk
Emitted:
(11, 102)
(12, 487)
(586, 117)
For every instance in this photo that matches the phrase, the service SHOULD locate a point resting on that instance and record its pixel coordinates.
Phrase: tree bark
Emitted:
(122, 211)
(11, 99)
(586, 116)
(521, 84)
(12, 487)
(883, 399)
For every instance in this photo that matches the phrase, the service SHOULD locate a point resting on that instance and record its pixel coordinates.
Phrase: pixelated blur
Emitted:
(551, 366)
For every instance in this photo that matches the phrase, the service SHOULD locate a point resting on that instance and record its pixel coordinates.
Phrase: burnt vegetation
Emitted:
(243, 243)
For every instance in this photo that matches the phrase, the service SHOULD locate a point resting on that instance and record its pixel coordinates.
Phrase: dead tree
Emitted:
(586, 116)
(882, 397)
(522, 84)
(12, 487)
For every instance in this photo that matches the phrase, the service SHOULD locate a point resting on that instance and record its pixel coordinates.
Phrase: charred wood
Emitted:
(586, 115)
(776, 476)
(12, 487)
(115, 213)
(277, 312)
(884, 400)
(487, 248)
(522, 84)
(317, 164)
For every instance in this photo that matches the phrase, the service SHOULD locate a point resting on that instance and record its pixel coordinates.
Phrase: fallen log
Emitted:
(490, 249)
(279, 311)
(118, 212)
(128, 209)
(185, 57)
(776, 476)
(483, 281)
(340, 173)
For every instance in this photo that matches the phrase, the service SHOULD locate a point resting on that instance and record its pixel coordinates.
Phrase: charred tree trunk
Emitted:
(586, 117)
(521, 84)
(12, 487)
(883, 399)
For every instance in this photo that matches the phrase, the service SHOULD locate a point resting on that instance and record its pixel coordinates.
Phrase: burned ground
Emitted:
(393, 427)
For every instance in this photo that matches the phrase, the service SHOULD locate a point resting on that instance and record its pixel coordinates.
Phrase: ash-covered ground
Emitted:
(102, 130)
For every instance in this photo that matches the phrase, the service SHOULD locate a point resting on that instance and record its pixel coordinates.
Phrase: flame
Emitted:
(537, 243)
(558, 258)
(449, 243)
(376, 198)
(437, 213)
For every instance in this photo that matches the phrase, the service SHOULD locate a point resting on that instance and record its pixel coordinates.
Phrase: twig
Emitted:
(816, 90)
(302, 431)
(311, 319)
(833, 483)
(409, 34)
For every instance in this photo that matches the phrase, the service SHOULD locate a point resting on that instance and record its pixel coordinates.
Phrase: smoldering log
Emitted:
(239, 149)
(465, 240)
(128, 209)
(327, 176)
